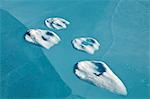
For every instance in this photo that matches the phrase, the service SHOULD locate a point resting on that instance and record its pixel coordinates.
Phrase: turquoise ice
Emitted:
(25, 71)
(121, 26)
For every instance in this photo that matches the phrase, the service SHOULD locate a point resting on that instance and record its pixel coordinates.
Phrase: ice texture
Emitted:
(86, 44)
(45, 38)
(56, 23)
(99, 74)
(26, 73)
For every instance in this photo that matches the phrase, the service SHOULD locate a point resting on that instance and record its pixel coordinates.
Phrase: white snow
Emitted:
(56, 23)
(45, 38)
(85, 44)
(100, 75)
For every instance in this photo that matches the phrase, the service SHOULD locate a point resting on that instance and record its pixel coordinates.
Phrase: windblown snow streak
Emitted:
(56, 23)
(89, 45)
(99, 74)
(45, 38)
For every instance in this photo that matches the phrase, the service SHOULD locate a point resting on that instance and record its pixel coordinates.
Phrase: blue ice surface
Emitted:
(26, 72)
(101, 69)
(121, 26)
(49, 33)
(90, 40)
(87, 43)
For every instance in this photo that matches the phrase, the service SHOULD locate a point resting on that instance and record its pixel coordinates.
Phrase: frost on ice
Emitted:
(45, 38)
(100, 75)
(89, 45)
(56, 23)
